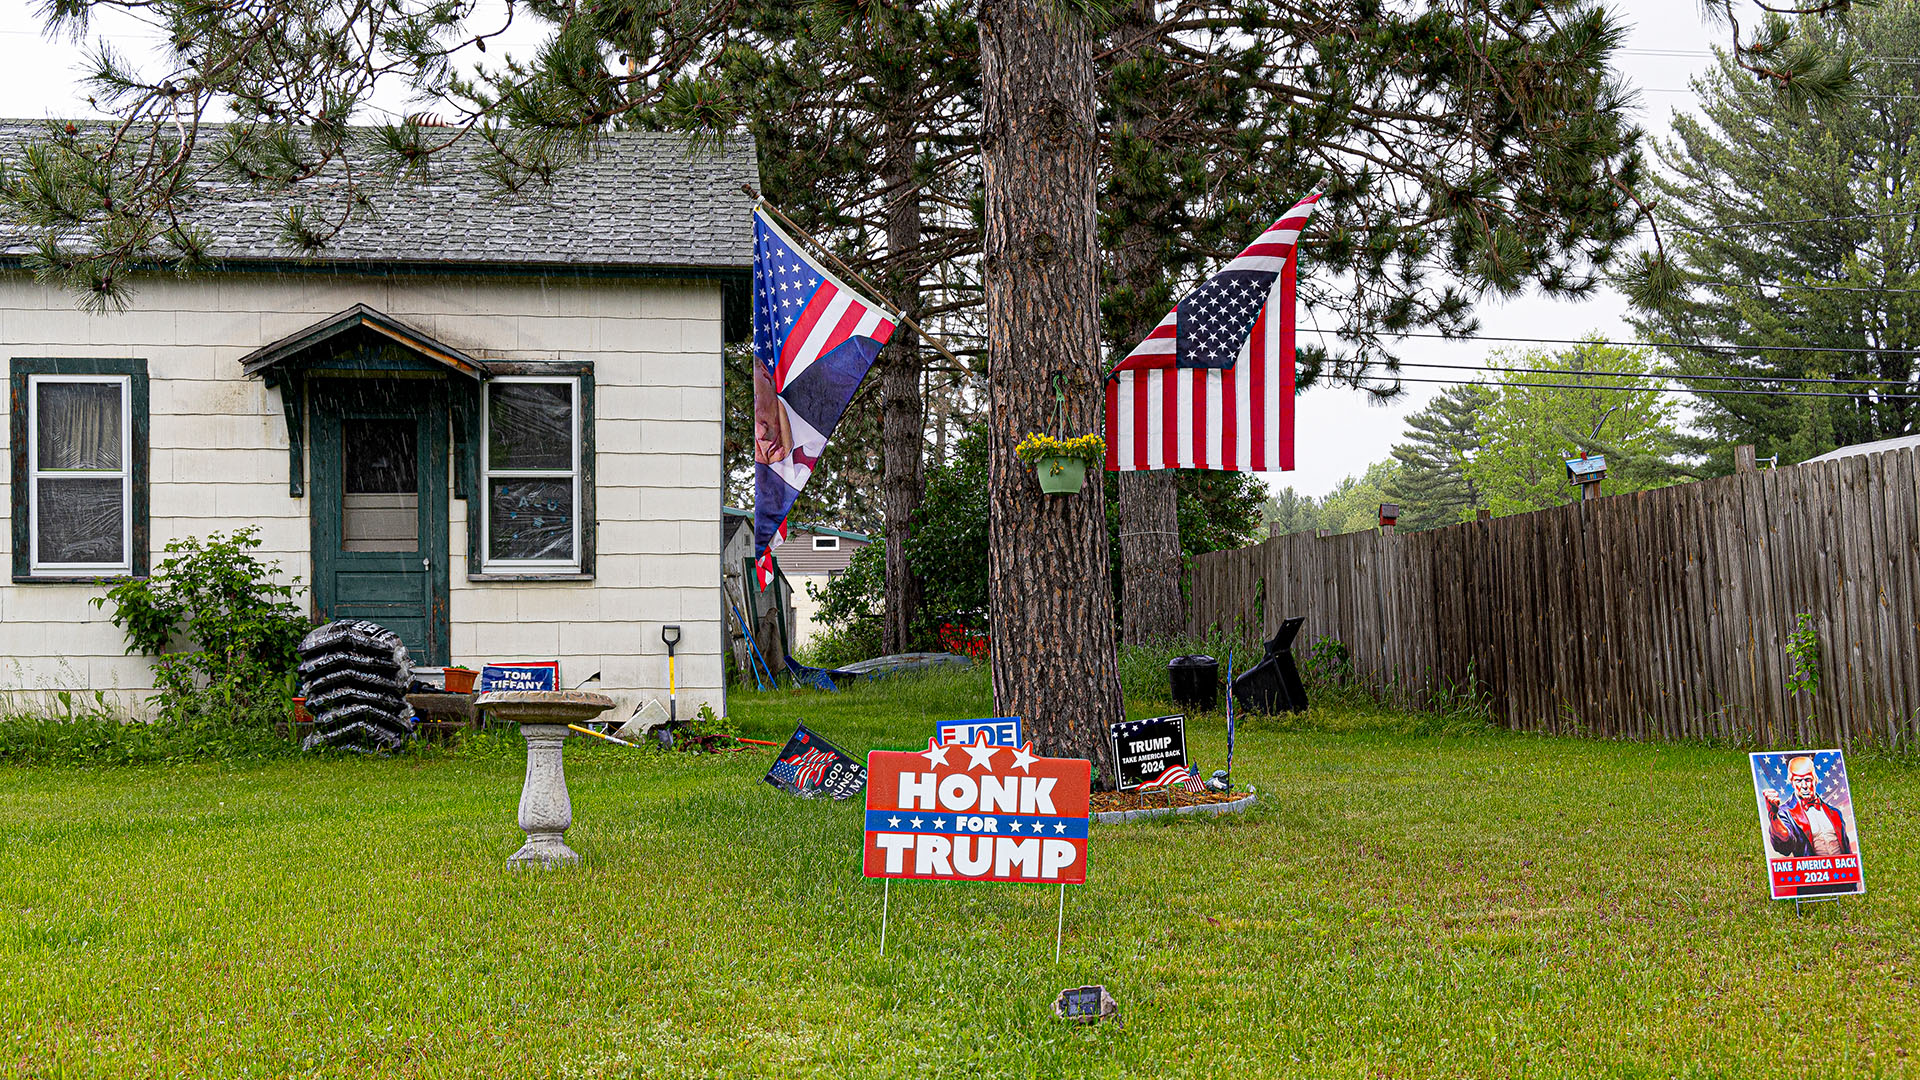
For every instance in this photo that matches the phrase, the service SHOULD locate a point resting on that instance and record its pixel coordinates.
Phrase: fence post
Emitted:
(1745, 459)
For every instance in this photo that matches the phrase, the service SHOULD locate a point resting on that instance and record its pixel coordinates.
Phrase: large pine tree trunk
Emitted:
(1053, 651)
(1150, 557)
(902, 409)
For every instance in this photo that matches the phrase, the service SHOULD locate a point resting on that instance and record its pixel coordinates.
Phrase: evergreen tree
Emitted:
(1432, 487)
(1799, 228)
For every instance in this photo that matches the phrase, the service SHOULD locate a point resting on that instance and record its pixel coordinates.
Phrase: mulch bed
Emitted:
(1109, 801)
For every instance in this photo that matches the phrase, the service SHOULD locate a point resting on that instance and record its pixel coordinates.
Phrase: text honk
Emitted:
(961, 793)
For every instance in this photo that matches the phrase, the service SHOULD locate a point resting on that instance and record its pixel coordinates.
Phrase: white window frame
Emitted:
(488, 474)
(124, 474)
(826, 543)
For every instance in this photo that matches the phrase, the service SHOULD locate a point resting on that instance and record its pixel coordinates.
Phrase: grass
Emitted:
(1400, 904)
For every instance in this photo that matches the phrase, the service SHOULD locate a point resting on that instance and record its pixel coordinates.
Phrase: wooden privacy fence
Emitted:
(1663, 614)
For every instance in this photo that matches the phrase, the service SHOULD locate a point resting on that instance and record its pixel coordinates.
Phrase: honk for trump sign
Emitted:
(977, 812)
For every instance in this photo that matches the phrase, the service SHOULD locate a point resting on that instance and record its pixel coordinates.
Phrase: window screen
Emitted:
(532, 465)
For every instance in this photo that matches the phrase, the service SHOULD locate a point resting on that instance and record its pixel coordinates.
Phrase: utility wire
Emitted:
(1654, 375)
(1667, 390)
(1659, 344)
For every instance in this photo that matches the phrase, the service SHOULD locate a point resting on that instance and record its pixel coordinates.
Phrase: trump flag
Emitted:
(813, 341)
(1212, 386)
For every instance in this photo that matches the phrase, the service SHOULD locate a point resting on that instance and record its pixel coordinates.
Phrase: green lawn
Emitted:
(1399, 905)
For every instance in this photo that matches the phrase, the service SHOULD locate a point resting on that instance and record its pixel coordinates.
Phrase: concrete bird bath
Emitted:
(545, 808)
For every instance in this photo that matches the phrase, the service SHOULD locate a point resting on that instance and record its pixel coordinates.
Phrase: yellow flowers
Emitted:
(1036, 448)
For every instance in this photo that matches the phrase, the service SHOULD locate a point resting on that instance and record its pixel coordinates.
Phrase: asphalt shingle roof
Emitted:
(641, 200)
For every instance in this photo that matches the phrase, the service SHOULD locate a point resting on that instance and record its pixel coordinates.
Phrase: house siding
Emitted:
(219, 460)
(804, 566)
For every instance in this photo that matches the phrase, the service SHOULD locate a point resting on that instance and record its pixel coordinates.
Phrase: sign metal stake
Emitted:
(886, 895)
(1800, 902)
(1060, 924)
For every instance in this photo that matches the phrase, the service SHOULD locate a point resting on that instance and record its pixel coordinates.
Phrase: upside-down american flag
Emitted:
(813, 341)
(1212, 386)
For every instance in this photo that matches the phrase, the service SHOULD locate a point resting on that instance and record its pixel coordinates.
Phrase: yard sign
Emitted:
(1150, 753)
(1806, 824)
(978, 812)
(532, 675)
(1001, 731)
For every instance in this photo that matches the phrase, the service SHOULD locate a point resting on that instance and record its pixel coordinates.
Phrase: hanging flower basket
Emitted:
(1061, 464)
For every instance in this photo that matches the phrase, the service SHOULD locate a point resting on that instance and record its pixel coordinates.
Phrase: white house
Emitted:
(813, 556)
(490, 423)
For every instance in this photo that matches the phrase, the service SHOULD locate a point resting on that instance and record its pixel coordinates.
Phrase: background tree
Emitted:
(1530, 430)
(1793, 228)
(1287, 511)
(1431, 484)
(864, 116)
(1464, 148)
(1354, 503)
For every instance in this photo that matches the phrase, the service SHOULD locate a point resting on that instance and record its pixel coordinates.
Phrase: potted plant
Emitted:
(1061, 464)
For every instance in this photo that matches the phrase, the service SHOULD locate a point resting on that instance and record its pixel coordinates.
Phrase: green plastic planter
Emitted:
(1061, 475)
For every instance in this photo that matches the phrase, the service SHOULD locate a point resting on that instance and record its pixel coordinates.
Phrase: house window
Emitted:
(79, 484)
(826, 543)
(530, 466)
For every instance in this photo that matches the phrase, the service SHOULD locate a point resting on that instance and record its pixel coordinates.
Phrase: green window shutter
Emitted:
(21, 369)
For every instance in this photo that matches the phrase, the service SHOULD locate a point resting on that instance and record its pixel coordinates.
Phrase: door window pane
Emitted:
(531, 519)
(381, 456)
(79, 425)
(80, 520)
(530, 426)
(380, 485)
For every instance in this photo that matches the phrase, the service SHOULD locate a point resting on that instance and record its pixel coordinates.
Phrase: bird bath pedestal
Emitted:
(545, 809)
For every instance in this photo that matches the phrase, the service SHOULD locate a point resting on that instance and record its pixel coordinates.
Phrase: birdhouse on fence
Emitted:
(1389, 513)
(1587, 471)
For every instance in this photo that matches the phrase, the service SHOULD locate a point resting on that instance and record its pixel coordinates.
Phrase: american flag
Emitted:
(813, 341)
(803, 770)
(1173, 774)
(1212, 386)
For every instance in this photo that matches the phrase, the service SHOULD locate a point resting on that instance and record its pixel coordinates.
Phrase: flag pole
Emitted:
(898, 316)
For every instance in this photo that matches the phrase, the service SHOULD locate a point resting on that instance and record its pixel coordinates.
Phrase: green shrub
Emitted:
(224, 635)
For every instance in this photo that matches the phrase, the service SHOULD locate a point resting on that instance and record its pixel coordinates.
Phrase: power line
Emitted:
(1654, 375)
(1661, 344)
(1791, 221)
(1667, 389)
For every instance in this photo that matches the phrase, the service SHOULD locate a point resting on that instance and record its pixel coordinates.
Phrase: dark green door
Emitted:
(380, 507)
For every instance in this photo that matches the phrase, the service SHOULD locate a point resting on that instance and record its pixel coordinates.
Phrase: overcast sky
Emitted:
(1339, 431)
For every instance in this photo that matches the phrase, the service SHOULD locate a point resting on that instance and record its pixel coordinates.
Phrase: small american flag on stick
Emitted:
(804, 770)
(1212, 386)
(1172, 775)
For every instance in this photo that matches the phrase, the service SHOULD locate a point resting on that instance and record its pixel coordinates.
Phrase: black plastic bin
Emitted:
(1196, 682)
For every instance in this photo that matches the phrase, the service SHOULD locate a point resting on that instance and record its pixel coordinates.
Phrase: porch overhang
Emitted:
(362, 341)
(350, 332)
